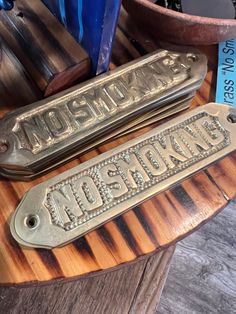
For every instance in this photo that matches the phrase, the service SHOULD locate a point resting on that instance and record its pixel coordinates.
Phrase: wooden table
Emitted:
(135, 236)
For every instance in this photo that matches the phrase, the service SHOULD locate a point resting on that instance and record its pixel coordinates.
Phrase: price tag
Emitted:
(226, 77)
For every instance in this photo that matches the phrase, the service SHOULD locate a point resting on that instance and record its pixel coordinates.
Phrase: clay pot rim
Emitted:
(186, 17)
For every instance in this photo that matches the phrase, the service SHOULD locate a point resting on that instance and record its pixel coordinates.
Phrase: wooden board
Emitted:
(130, 290)
(202, 276)
(49, 53)
(147, 229)
(14, 77)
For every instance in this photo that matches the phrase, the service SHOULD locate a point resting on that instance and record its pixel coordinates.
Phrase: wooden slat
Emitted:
(132, 289)
(14, 78)
(202, 276)
(48, 52)
(147, 229)
(223, 173)
(147, 296)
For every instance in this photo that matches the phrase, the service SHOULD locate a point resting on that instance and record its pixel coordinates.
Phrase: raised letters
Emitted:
(133, 170)
(153, 160)
(124, 175)
(113, 180)
(120, 95)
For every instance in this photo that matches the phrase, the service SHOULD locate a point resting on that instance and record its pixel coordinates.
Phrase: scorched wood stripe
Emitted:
(223, 174)
(44, 47)
(146, 229)
(13, 77)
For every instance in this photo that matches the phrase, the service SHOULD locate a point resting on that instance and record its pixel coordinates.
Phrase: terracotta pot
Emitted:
(180, 28)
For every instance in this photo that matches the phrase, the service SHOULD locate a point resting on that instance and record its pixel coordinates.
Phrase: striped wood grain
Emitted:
(144, 230)
(48, 52)
(14, 77)
(133, 289)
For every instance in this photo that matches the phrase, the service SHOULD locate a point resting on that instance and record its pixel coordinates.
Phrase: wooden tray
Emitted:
(146, 229)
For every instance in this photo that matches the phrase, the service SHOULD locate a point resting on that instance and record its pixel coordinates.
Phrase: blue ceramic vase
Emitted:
(92, 23)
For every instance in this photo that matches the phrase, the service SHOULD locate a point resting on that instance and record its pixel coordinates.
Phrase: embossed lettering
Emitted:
(88, 193)
(194, 140)
(209, 131)
(63, 205)
(135, 85)
(118, 93)
(36, 131)
(155, 78)
(176, 69)
(100, 102)
(114, 181)
(165, 147)
(82, 113)
(133, 171)
(180, 145)
(153, 160)
(56, 122)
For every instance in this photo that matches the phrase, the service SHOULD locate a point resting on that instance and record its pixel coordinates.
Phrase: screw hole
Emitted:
(231, 118)
(192, 57)
(3, 147)
(20, 14)
(32, 221)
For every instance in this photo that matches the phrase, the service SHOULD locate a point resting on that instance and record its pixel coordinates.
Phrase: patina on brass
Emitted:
(44, 134)
(69, 205)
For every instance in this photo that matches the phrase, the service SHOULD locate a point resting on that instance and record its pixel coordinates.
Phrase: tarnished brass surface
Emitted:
(148, 118)
(157, 115)
(49, 132)
(65, 207)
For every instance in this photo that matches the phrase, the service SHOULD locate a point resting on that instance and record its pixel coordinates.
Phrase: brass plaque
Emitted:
(67, 206)
(43, 134)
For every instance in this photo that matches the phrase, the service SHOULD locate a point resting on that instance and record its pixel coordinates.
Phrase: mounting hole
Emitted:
(20, 14)
(32, 221)
(231, 118)
(3, 146)
(192, 57)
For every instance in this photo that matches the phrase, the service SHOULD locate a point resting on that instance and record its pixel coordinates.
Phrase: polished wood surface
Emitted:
(50, 54)
(146, 229)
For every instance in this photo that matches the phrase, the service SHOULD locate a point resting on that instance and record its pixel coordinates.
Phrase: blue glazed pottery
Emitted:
(92, 23)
